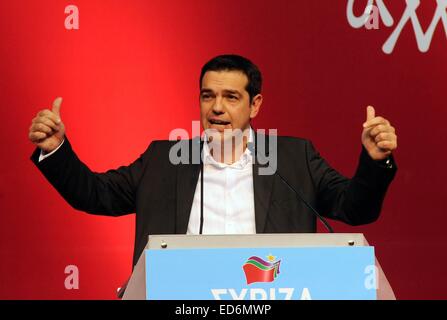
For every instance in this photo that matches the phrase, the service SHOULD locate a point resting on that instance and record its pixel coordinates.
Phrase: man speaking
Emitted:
(224, 193)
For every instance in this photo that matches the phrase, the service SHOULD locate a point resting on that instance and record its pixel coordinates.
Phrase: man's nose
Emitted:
(218, 107)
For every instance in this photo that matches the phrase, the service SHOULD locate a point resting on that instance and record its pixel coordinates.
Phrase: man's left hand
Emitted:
(378, 137)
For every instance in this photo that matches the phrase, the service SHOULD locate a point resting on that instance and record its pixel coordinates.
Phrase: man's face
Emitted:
(225, 103)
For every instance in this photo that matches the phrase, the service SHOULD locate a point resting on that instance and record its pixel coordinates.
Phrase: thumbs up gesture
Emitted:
(379, 137)
(47, 130)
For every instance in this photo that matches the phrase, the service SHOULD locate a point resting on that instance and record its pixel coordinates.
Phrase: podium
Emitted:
(258, 267)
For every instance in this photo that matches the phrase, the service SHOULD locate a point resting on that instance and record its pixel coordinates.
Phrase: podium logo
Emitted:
(259, 270)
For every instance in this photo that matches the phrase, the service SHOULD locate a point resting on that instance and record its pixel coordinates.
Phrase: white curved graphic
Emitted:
(423, 39)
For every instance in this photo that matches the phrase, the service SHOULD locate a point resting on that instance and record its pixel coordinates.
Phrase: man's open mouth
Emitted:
(219, 122)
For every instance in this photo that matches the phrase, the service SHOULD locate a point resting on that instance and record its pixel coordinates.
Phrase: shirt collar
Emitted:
(244, 160)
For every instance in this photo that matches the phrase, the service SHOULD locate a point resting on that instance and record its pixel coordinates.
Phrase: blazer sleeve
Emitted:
(112, 193)
(355, 201)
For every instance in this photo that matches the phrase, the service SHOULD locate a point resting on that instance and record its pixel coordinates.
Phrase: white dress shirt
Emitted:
(228, 197)
(43, 156)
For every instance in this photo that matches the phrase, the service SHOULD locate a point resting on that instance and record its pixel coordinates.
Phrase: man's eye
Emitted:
(232, 97)
(206, 96)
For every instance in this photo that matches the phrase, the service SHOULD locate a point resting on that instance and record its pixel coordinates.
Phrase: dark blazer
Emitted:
(162, 194)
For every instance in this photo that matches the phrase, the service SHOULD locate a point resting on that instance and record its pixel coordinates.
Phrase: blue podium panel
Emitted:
(316, 273)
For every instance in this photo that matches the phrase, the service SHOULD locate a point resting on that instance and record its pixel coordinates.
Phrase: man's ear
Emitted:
(255, 106)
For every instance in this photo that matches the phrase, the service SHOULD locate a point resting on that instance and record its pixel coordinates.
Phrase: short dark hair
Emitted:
(233, 62)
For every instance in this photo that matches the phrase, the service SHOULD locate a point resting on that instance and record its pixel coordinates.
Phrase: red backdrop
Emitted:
(130, 75)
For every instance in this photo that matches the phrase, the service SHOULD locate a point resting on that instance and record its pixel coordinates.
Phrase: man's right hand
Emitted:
(47, 130)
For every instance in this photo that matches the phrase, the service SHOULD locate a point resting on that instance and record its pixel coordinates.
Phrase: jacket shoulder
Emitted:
(164, 150)
(293, 140)
(163, 145)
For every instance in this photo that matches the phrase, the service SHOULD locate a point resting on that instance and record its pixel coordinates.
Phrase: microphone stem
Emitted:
(201, 195)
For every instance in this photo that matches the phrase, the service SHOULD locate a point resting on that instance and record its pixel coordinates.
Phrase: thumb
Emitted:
(370, 113)
(57, 107)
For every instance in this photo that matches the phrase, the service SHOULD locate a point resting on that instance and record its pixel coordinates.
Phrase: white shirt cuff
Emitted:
(43, 156)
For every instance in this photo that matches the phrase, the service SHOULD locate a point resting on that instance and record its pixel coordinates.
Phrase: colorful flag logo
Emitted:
(259, 270)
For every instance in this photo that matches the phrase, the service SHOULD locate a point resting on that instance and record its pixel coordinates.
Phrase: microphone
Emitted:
(201, 188)
(298, 194)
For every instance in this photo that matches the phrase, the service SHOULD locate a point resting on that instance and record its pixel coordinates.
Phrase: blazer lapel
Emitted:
(187, 178)
(262, 188)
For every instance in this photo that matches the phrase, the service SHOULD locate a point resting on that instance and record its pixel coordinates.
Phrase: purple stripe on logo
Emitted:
(265, 263)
